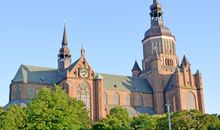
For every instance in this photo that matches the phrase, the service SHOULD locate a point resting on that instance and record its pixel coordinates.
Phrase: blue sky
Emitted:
(111, 32)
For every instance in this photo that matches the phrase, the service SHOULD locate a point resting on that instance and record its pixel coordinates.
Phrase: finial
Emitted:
(155, 1)
(83, 52)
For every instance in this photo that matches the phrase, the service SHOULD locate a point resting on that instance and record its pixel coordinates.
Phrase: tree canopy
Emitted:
(54, 110)
(117, 119)
(49, 110)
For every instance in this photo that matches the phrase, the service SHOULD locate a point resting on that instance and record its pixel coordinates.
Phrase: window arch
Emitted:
(139, 100)
(105, 98)
(128, 100)
(31, 92)
(116, 98)
(190, 101)
(166, 61)
(83, 94)
(18, 92)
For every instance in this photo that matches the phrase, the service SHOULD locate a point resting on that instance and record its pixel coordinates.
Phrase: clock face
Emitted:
(83, 73)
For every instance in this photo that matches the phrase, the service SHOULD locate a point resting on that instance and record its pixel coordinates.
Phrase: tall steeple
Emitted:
(159, 42)
(65, 41)
(64, 56)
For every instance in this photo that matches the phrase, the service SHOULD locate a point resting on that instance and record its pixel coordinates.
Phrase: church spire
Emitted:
(65, 41)
(64, 56)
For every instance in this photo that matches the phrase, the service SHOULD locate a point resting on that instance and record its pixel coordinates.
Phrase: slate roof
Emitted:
(171, 83)
(136, 66)
(157, 30)
(134, 84)
(43, 75)
(20, 103)
(35, 74)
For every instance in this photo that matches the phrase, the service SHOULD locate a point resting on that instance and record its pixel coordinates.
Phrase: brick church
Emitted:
(161, 80)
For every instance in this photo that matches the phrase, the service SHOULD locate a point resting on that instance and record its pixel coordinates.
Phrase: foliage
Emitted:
(49, 110)
(187, 120)
(143, 122)
(13, 118)
(55, 110)
(117, 119)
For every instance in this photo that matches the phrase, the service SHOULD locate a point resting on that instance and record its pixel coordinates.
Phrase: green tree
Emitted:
(208, 122)
(117, 119)
(14, 118)
(143, 122)
(55, 110)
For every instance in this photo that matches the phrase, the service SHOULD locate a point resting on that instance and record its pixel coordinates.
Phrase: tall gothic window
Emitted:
(190, 101)
(31, 92)
(128, 100)
(116, 98)
(105, 98)
(83, 94)
(139, 100)
(18, 92)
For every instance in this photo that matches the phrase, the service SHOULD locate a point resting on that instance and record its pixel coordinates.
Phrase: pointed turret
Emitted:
(136, 70)
(185, 62)
(136, 66)
(65, 41)
(64, 56)
(82, 53)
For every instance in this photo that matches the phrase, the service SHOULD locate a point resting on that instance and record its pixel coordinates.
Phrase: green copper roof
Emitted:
(43, 75)
(135, 84)
(34, 74)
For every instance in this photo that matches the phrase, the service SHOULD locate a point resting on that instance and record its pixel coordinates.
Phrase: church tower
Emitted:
(159, 55)
(64, 56)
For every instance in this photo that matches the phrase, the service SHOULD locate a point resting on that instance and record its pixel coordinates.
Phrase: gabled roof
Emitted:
(171, 83)
(19, 102)
(134, 84)
(185, 61)
(73, 65)
(36, 74)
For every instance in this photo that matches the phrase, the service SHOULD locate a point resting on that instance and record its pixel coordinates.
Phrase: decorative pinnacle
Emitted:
(64, 42)
(83, 52)
(155, 1)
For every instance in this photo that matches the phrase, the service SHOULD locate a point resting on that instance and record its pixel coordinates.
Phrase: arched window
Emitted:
(139, 100)
(116, 98)
(105, 98)
(190, 101)
(18, 92)
(166, 61)
(128, 100)
(31, 92)
(83, 94)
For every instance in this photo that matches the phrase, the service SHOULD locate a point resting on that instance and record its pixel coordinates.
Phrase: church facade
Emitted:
(160, 81)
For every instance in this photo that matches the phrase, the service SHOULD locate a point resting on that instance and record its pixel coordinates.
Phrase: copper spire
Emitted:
(64, 42)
